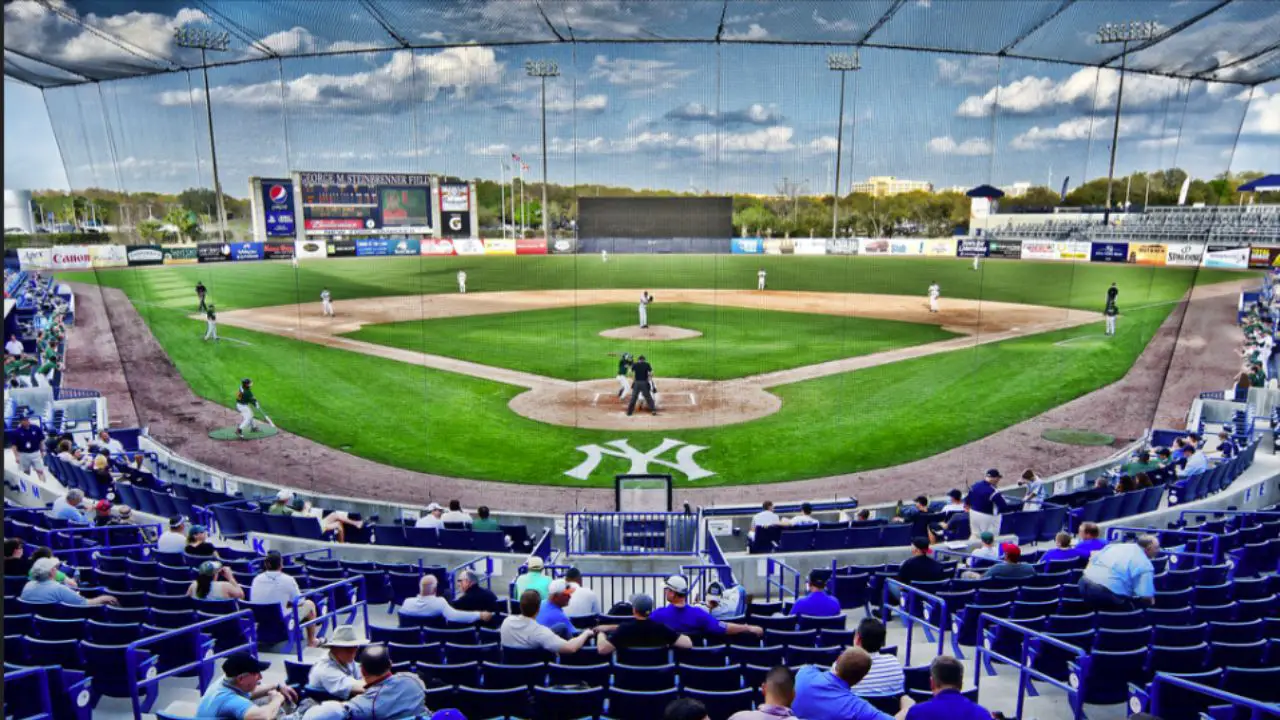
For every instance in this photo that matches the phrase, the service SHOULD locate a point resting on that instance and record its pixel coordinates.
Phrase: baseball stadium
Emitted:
(632, 360)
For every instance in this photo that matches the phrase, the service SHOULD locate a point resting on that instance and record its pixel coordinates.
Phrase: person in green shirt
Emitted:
(1256, 377)
(484, 523)
(1141, 464)
(534, 579)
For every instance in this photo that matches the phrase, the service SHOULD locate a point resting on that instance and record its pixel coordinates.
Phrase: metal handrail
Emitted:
(134, 650)
(1215, 556)
(106, 530)
(297, 626)
(780, 583)
(1026, 673)
(1259, 708)
(487, 576)
(45, 703)
(678, 533)
(909, 621)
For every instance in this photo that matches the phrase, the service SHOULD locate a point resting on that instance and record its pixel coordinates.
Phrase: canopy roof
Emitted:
(1266, 183)
(51, 43)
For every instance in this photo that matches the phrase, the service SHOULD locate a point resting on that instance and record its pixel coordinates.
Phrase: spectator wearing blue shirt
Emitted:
(984, 502)
(825, 694)
(1089, 543)
(817, 602)
(27, 440)
(1062, 550)
(551, 614)
(688, 620)
(1120, 575)
(233, 697)
(946, 678)
(43, 587)
(67, 507)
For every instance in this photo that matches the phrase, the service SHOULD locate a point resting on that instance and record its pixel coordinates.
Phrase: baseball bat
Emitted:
(267, 417)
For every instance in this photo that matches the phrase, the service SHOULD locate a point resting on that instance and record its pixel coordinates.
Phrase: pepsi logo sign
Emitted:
(278, 193)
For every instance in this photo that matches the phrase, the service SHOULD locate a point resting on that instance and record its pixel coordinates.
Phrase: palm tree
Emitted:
(185, 221)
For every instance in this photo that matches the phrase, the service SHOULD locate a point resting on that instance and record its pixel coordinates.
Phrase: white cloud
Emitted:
(820, 145)
(840, 25)
(640, 74)
(433, 36)
(1149, 143)
(1263, 117)
(501, 150)
(526, 98)
(967, 71)
(753, 32)
(31, 28)
(1086, 89)
(1074, 130)
(754, 114)
(459, 69)
(766, 140)
(946, 145)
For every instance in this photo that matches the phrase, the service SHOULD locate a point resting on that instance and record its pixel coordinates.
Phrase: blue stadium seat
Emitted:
(483, 703)
(53, 652)
(717, 679)
(714, 656)
(720, 705)
(1104, 677)
(1181, 616)
(501, 677)
(798, 638)
(423, 654)
(1236, 632)
(1122, 639)
(1244, 655)
(558, 703)
(839, 638)
(524, 656)
(1173, 599)
(1256, 683)
(1070, 623)
(1191, 659)
(403, 636)
(457, 636)
(50, 629)
(645, 679)
(821, 622)
(451, 674)
(1217, 613)
(796, 655)
(596, 675)
(1259, 608)
(1179, 635)
(638, 705)
(786, 623)
(1213, 594)
(1186, 703)
(172, 619)
(178, 650)
(112, 633)
(106, 665)
(643, 657)
(1121, 620)
(485, 652)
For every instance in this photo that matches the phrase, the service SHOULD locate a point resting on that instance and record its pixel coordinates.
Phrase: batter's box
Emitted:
(681, 399)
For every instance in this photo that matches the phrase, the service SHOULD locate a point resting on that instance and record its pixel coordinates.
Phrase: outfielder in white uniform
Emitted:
(462, 281)
(645, 299)
(760, 279)
(975, 261)
(211, 324)
(295, 261)
(326, 302)
(934, 292)
(604, 256)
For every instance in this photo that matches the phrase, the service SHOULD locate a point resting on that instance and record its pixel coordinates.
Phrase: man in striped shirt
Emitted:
(886, 676)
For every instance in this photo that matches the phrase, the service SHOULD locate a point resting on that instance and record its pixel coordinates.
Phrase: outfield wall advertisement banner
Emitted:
(942, 247)
(380, 247)
(34, 258)
(780, 246)
(243, 251)
(145, 255)
(873, 246)
(811, 246)
(1109, 252)
(277, 207)
(276, 250)
(906, 247)
(309, 249)
(531, 246)
(842, 246)
(1039, 250)
(180, 254)
(1004, 249)
(1259, 257)
(564, 245)
(356, 203)
(470, 246)
(213, 252)
(1184, 254)
(341, 247)
(70, 257)
(104, 256)
(971, 248)
(1225, 256)
(747, 246)
(499, 246)
(1153, 254)
(1073, 250)
(437, 246)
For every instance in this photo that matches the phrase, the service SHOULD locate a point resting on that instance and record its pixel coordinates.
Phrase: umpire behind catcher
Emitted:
(643, 372)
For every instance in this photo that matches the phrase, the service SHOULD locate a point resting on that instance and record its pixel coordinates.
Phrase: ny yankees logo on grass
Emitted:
(640, 461)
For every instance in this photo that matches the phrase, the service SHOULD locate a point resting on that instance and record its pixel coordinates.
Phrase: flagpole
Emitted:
(524, 209)
(502, 220)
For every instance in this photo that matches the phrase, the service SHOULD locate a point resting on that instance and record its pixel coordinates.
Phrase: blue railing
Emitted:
(134, 658)
(715, 556)
(1214, 556)
(542, 547)
(1152, 701)
(934, 614)
(107, 531)
(1207, 515)
(784, 573)
(779, 508)
(146, 550)
(631, 533)
(474, 565)
(700, 576)
(297, 627)
(42, 680)
(1028, 651)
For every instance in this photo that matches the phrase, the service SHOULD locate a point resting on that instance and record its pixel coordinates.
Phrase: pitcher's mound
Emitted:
(653, 332)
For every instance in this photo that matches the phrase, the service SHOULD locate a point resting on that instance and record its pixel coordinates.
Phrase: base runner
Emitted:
(246, 403)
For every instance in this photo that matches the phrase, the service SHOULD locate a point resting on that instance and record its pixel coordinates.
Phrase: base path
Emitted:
(560, 402)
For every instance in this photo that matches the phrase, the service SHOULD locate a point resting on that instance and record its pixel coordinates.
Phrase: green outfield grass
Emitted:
(433, 421)
(566, 343)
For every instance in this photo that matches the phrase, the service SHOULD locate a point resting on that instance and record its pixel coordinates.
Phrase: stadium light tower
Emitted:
(841, 63)
(208, 41)
(543, 69)
(1123, 34)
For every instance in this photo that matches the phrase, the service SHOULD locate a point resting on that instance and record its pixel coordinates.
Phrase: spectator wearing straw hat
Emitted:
(534, 579)
(338, 674)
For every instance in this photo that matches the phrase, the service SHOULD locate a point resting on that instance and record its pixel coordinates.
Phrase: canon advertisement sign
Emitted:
(71, 257)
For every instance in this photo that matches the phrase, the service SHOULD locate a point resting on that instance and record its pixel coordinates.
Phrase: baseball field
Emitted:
(838, 367)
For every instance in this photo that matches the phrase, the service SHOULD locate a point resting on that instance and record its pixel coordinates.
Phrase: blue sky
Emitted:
(724, 118)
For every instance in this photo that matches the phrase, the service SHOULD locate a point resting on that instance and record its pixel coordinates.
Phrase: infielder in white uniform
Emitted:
(326, 303)
(295, 261)
(760, 279)
(462, 281)
(211, 324)
(604, 256)
(645, 299)
(934, 292)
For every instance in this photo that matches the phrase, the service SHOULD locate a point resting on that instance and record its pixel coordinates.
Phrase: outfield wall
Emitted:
(1187, 254)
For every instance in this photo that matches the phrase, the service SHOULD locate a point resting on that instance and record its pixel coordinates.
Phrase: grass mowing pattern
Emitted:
(449, 424)
(565, 342)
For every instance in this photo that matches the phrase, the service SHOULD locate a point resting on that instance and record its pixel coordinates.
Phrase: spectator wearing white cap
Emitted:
(456, 514)
(551, 614)
(583, 601)
(684, 618)
(43, 587)
(428, 604)
(534, 579)
(433, 518)
(284, 504)
(174, 540)
(338, 674)
(522, 632)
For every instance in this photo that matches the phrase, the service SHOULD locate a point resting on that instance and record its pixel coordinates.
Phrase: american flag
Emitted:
(524, 167)
(515, 157)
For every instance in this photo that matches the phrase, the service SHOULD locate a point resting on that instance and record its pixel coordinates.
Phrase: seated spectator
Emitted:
(907, 514)
(1121, 575)
(640, 633)
(58, 574)
(110, 444)
(386, 694)
(338, 674)
(14, 346)
(920, 567)
(1062, 549)
(534, 579)
(1164, 456)
(686, 709)
(1141, 463)
(805, 518)
(43, 587)
(69, 507)
(456, 514)
(886, 676)
(283, 504)
(1089, 541)
(102, 472)
(432, 520)
(429, 604)
(484, 523)
(337, 522)
(946, 679)
(175, 539)
(714, 602)
(779, 691)
(102, 513)
(207, 586)
(825, 694)
(15, 565)
(1226, 446)
(234, 697)
(523, 632)
(583, 601)
(1101, 489)
(551, 614)
(862, 517)
(198, 543)
(1142, 481)
(686, 619)
(471, 597)
(987, 549)
(1196, 462)
(1038, 489)
(274, 585)
(955, 502)
(1125, 484)
(817, 601)
(1012, 568)
(763, 519)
